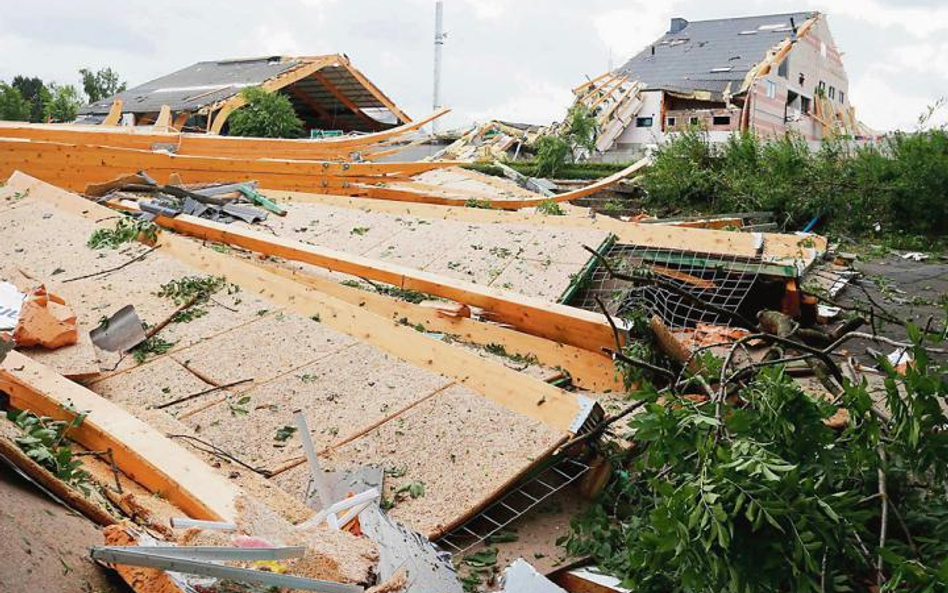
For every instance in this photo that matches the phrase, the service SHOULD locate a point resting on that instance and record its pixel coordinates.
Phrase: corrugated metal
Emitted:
(685, 61)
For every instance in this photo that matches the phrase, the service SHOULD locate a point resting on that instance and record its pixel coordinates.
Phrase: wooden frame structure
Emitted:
(189, 144)
(75, 166)
(310, 66)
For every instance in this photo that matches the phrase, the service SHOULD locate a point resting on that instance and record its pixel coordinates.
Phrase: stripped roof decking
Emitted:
(287, 356)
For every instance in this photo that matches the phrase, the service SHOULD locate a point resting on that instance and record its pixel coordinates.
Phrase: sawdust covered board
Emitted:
(462, 447)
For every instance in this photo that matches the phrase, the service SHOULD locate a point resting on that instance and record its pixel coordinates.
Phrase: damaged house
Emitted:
(327, 92)
(773, 74)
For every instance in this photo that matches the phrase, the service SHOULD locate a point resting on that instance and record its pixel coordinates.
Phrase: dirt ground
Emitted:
(45, 546)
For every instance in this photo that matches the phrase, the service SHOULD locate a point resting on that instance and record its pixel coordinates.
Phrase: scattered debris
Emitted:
(45, 320)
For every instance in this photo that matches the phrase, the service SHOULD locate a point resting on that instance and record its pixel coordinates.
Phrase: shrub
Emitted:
(552, 153)
(900, 183)
(265, 115)
(761, 495)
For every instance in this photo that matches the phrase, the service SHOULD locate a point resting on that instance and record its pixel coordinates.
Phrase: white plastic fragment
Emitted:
(11, 300)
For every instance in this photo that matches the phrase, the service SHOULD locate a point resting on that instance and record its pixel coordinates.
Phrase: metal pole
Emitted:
(438, 44)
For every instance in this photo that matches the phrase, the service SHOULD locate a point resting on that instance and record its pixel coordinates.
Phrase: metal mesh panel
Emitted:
(724, 281)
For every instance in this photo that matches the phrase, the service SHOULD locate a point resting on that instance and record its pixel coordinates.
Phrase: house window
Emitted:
(693, 121)
(721, 120)
(832, 92)
(643, 122)
(671, 121)
(842, 97)
(783, 70)
(804, 104)
(770, 89)
(821, 88)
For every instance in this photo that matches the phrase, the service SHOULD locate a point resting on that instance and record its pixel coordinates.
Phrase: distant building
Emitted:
(772, 74)
(327, 92)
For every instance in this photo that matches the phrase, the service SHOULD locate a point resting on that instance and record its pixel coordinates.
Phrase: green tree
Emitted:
(12, 104)
(552, 153)
(101, 84)
(265, 115)
(64, 104)
(582, 128)
(36, 94)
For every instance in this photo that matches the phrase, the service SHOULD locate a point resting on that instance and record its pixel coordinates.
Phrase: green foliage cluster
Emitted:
(63, 105)
(265, 115)
(101, 84)
(550, 208)
(578, 135)
(28, 98)
(13, 107)
(125, 230)
(44, 441)
(529, 167)
(760, 495)
(900, 183)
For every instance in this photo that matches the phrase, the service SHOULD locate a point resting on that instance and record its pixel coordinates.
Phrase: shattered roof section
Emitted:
(198, 85)
(707, 55)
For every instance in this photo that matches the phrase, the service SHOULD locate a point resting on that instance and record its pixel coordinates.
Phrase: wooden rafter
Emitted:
(203, 145)
(308, 100)
(115, 114)
(376, 92)
(338, 94)
(223, 110)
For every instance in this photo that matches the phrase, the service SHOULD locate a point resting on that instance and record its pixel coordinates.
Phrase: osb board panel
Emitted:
(148, 385)
(263, 349)
(341, 395)
(252, 483)
(536, 278)
(76, 361)
(468, 251)
(461, 446)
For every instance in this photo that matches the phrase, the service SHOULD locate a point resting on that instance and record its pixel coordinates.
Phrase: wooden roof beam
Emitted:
(308, 100)
(375, 91)
(332, 88)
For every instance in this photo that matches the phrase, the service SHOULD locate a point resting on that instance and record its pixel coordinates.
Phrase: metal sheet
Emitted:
(119, 333)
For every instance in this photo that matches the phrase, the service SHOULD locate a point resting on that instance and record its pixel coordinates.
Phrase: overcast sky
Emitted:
(504, 59)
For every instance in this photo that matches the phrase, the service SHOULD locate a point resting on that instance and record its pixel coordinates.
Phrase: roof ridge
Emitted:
(754, 16)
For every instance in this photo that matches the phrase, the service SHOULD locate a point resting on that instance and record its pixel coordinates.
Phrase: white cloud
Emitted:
(529, 100)
(627, 30)
(917, 21)
(883, 105)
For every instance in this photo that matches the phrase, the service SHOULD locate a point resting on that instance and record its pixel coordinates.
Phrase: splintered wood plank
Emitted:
(140, 451)
(462, 447)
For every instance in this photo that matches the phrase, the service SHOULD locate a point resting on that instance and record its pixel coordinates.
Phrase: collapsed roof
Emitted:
(713, 55)
(326, 90)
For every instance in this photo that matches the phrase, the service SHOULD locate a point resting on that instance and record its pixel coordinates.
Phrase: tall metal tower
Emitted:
(438, 44)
